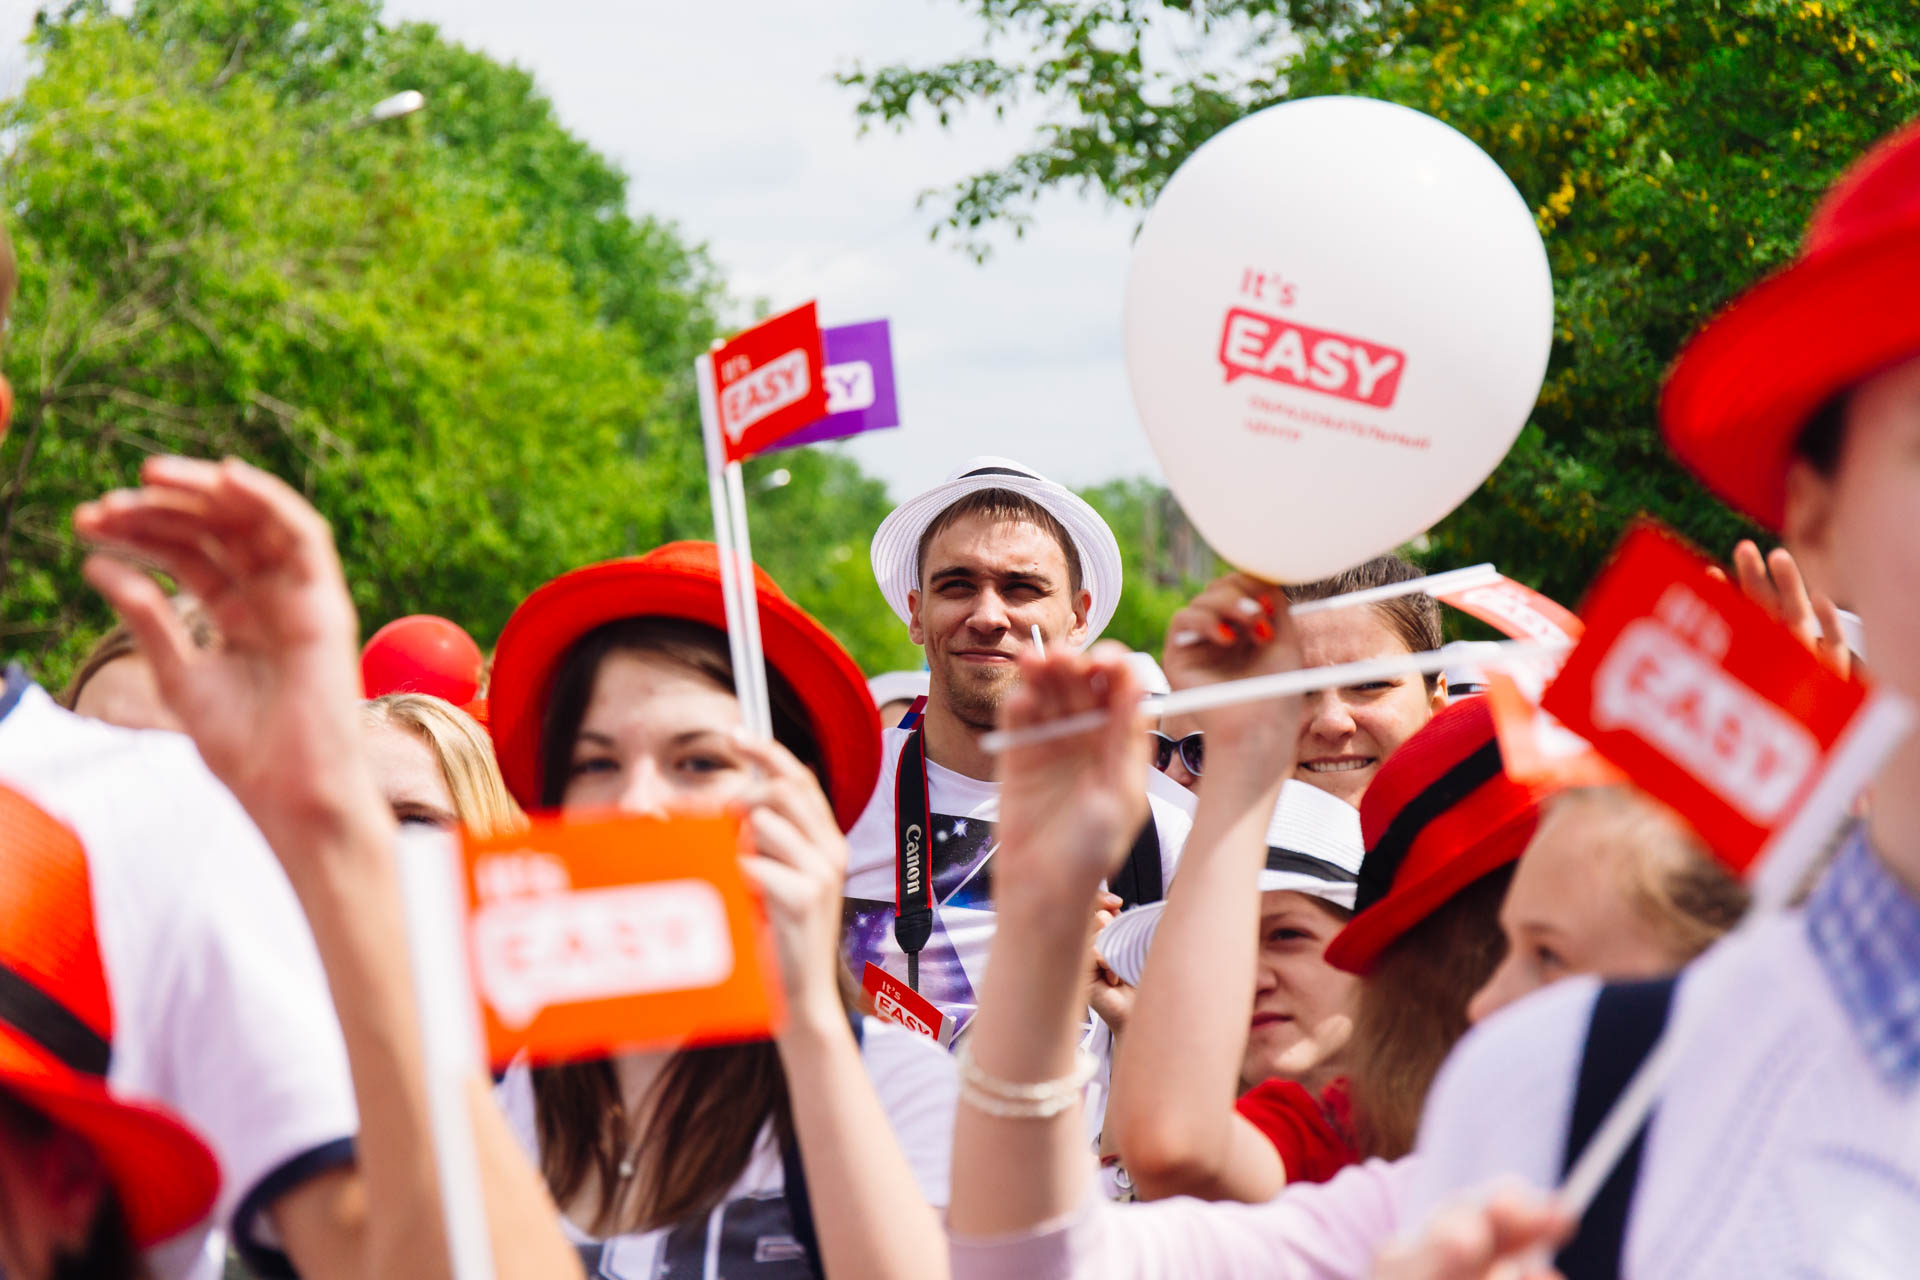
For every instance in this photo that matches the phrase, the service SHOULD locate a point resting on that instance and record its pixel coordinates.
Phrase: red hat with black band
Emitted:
(678, 580)
(56, 1031)
(1746, 386)
(1440, 814)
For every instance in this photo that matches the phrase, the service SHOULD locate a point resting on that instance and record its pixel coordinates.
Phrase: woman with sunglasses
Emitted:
(613, 689)
(1346, 734)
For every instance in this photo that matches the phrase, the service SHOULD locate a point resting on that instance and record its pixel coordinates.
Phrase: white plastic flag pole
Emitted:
(723, 526)
(1283, 684)
(1779, 869)
(750, 681)
(1434, 584)
(1039, 645)
(433, 892)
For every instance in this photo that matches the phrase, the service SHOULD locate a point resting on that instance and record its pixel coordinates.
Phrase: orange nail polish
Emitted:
(1263, 631)
(1225, 633)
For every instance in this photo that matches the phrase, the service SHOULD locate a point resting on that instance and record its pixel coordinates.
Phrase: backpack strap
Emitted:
(1628, 1018)
(1138, 880)
(794, 1179)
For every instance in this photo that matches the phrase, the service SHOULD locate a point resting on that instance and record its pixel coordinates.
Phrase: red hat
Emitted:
(679, 580)
(422, 654)
(1745, 387)
(1440, 814)
(56, 1030)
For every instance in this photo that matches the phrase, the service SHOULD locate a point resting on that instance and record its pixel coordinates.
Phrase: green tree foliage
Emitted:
(1162, 558)
(447, 330)
(1672, 150)
(813, 534)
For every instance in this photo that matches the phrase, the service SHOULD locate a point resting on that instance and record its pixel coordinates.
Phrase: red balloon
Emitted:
(422, 654)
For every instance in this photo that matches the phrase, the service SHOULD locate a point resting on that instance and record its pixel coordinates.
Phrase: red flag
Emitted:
(769, 382)
(1515, 609)
(1703, 698)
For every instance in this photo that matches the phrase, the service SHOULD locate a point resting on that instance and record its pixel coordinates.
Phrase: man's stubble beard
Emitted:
(978, 706)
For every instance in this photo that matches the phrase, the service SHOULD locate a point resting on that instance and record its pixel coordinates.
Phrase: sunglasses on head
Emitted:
(1191, 749)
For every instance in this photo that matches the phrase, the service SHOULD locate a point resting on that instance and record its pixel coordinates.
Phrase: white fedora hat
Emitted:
(897, 686)
(896, 543)
(1313, 847)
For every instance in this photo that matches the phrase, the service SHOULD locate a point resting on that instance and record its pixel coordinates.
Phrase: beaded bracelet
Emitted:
(1015, 1100)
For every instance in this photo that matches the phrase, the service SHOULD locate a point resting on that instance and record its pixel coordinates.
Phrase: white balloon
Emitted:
(1338, 318)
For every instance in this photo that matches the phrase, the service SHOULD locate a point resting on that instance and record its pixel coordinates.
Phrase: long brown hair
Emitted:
(1413, 1009)
(709, 1105)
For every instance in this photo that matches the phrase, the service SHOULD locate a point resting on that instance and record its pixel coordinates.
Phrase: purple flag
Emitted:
(859, 378)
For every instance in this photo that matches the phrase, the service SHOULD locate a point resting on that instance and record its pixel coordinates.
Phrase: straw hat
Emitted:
(896, 543)
(1313, 847)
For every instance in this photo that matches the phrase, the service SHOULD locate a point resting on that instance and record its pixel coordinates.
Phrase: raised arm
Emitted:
(870, 1212)
(1178, 1068)
(274, 713)
(1068, 811)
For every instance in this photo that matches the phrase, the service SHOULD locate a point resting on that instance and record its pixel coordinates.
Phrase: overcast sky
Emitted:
(725, 117)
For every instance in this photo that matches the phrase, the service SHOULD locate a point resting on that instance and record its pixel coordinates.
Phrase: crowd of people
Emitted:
(1304, 987)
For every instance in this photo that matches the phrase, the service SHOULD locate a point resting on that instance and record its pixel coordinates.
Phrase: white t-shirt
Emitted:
(965, 811)
(1776, 1150)
(749, 1236)
(220, 1007)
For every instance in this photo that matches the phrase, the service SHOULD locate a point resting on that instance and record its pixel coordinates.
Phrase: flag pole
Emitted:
(750, 679)
(723, 527)
(1878, 727)
(433, 893)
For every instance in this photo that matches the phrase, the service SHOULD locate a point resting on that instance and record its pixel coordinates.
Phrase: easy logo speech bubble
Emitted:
(594, 944)
(1262, 346)
(764, 392)
(1749, 752)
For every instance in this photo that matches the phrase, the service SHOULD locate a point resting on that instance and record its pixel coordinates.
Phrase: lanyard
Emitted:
(913, 838)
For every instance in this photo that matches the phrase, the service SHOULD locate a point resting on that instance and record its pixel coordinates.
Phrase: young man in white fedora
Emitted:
(980, 568)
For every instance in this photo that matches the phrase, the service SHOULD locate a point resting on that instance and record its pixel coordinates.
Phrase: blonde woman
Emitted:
(435, 764)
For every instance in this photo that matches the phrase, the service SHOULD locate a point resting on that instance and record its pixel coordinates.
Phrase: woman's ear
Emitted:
(1808, 528)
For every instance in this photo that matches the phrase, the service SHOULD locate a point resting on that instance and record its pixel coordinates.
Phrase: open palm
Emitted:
(272, 706)
(1069, 808)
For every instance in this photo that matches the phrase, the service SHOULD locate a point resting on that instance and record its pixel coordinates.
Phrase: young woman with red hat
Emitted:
(88, 1176)
(1784, 1143)
(613, 689)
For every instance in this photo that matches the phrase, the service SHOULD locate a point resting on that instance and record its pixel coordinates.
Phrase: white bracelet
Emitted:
(1015, 1100)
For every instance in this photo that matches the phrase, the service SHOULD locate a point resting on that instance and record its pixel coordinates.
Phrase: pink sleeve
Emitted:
(1313, 1232)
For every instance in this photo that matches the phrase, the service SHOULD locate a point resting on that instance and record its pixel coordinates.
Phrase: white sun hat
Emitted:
(897, 686)
(896, 543)
(1313, 847)
(1146, 669)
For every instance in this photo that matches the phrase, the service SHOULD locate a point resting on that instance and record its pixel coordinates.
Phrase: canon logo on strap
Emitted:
(913, 859)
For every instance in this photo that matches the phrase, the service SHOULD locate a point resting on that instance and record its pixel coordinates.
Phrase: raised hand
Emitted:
(1774, 582)
(1069, 808)
(273, 708)
(1108, 996)
(800, 864)
(1504, 1237)
(1238, 627)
